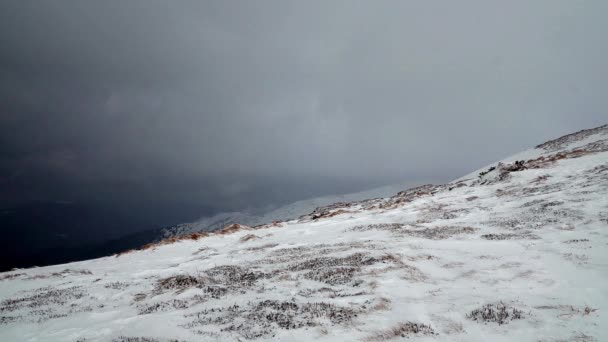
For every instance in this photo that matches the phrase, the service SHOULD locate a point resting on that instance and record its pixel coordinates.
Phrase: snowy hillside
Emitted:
(517, 251)
(284, 213)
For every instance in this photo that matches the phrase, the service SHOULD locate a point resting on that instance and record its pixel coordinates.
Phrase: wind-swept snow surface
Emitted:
(518, 253)
(283, 213)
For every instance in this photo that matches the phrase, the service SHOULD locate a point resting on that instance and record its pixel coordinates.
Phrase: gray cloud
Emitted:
(235, 104)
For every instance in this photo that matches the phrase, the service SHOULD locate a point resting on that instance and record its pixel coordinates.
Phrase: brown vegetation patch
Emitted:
(328, 214)
(11, 276)
(9, 319)
(274, 224)
(561, 142)
(118, 285)
(262, 319)
(576, 241)
(261, 247)
(499, 313)
(192, 236)
(248, 237)
(434, 233)
(509, 236)
(439, 211)
(329, 292)
(215, 282)
(233, 228)
(62, 274)
(404, 329)
(45, 303)
(141, 339)
(288, 254)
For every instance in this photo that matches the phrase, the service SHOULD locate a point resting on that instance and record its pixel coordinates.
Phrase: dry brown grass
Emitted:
(249, 237)
(404, 329)
(262, 247)
(500, 313)
(10, 276)
(274, 224)
(329, 214)
(233, 228)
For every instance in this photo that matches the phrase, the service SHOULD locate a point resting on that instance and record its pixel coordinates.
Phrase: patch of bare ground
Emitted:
(433, 233)
(9, 319)
(440, 233)
(404, 197)
(391, 227)
(261, 247)
(263, 318)
(561, 142)
(62, 274)
(10, 276)
(134, 339)
(603, 217)
(332, 214)
(274, 224)
(214, 282)
(329, 292)
(203, 250)
(504, 170)
(45, 303)
(285, 255)
(405, 329)
(233, 228)
(510, 236)
(576, 241)
(350, 270)
(500, 313)
(117, 285)
(404, 270)
(439, 211)
(42, 297)
(248, 237)
(540, 179)
(172, 304)
(138, 297)
(334, 270)
(420, 191)
(167, 241)
(538, 217)
(419, 257)
(141, 339)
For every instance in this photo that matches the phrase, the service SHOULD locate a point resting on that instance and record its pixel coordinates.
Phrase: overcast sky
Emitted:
(242, 104)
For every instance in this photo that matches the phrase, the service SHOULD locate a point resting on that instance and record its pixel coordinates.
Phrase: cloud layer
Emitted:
(235, 104)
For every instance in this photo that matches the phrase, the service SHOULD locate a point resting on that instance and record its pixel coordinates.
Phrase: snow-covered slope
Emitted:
(283, 213)
(519, 253)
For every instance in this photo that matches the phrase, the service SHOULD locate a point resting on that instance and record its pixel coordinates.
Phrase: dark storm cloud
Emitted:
(243, 103)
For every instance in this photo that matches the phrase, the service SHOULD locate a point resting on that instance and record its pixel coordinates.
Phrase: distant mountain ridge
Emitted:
(284, 213)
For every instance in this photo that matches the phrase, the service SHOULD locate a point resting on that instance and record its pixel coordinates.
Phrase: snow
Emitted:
(533, 244)
(283, 213)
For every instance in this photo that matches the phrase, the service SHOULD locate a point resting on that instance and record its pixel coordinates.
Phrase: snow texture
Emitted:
(516, 253)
